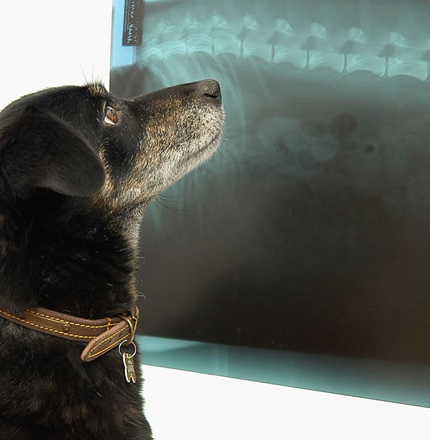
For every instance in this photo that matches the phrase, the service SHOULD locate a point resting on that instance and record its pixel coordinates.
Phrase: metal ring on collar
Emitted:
(132, 343)
(132, 324)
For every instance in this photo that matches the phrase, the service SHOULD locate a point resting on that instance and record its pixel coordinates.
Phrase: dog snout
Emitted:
(209, 89)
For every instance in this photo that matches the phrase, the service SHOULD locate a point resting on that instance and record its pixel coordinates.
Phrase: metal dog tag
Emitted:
(129, 370)
(128, 361)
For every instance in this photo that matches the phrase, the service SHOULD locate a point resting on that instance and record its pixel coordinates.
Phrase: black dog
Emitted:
(77, 168)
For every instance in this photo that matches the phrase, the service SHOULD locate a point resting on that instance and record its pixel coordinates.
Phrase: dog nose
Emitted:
(210, 89)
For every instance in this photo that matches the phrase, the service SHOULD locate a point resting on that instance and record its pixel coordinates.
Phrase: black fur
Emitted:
(77, 168)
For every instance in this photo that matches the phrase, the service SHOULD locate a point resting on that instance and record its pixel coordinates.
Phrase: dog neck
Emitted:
(81, 265)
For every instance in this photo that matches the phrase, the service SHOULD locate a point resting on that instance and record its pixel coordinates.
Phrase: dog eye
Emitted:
(111, 115)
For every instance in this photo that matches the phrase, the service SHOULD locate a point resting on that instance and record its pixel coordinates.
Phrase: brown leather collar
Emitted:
(101, 334)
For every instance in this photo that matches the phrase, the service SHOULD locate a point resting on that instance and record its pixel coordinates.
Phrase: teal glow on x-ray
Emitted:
(384, 39)
(308, 231)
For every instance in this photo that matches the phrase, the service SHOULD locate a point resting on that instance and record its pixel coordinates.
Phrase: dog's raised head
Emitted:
(77, 168)
(56, 138)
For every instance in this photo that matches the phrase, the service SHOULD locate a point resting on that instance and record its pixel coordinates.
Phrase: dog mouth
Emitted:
(202, 149)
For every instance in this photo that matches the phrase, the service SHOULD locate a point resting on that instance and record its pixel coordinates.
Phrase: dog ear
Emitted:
(37, 149)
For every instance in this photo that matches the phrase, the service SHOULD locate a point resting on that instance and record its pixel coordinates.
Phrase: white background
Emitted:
(54, 42)
(46, 43)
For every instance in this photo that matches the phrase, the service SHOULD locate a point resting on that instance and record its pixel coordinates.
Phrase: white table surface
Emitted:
(192, 406)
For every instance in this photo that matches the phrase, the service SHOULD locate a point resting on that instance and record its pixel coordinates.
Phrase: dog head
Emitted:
(113, 154)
